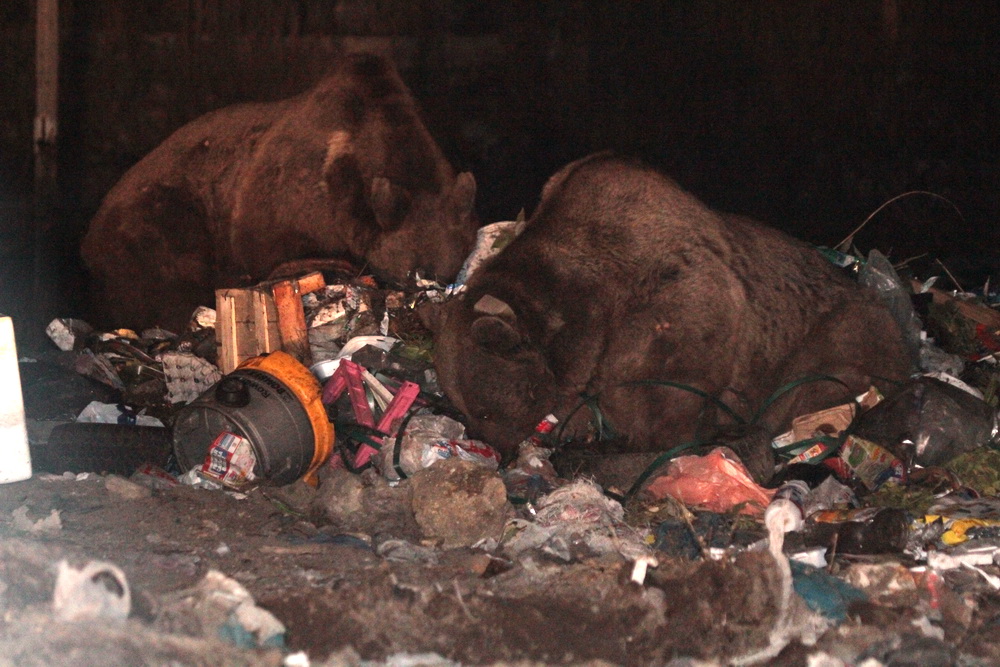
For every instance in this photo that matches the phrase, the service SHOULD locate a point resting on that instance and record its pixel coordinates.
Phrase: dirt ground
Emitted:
(356, 577)
(440, 569)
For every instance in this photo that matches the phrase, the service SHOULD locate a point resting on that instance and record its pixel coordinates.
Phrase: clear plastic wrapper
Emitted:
(879, 275)
(428, 439)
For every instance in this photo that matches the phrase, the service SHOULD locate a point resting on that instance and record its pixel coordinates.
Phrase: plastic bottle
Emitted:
(785, 509)
(537, 438)
(861, 532)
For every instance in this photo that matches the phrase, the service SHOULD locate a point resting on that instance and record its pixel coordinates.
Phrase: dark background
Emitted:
(807, 114)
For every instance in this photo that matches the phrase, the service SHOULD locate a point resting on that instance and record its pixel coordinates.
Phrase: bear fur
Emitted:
(621, 276)
(344, 170)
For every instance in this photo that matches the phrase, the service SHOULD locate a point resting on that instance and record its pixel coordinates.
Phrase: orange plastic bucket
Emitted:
(274, 402)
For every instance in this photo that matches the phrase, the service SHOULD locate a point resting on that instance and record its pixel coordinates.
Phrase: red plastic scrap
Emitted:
(348, 376)
(394, 413)
(717, 481)
(988, 339)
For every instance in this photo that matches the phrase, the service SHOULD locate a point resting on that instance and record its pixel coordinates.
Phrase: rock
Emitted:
(459, 503)
(364, 504)
(298, 496)
(339, 495)
(123, 488)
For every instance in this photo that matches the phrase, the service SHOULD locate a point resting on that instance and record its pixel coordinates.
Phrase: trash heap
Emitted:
(874, 500)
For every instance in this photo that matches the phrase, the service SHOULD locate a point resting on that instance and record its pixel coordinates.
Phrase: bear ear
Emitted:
(490, 305)
(389, 202)
(463, 195)
(494, 334)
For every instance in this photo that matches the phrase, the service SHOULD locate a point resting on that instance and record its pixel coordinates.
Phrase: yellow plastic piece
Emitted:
(293, 374)
(956, 533)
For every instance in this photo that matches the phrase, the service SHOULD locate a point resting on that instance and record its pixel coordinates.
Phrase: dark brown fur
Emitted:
(622, 276)
(346, 169)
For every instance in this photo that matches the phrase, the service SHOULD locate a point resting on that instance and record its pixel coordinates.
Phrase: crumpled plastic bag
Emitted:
(219, 606)
(97, 590)
(717, 482)
(879, 274)
(96, 412)
(930, 422)
(490, 240)
(428, 439)
(576, 520)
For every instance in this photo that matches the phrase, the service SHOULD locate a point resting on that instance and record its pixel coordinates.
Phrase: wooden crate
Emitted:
(266, 317)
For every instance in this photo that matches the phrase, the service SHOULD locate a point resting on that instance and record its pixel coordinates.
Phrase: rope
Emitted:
(602, 425)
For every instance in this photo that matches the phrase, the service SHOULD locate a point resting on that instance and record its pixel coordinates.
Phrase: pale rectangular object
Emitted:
(15, 457)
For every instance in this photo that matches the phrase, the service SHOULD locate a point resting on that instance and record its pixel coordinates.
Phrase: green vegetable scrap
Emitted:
(979, 470)
(913, 499)
(954, 333)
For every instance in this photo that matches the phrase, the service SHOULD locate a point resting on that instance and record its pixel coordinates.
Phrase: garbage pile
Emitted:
(911, 477)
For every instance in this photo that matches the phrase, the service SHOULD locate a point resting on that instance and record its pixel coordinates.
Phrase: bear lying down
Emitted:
(621, 277)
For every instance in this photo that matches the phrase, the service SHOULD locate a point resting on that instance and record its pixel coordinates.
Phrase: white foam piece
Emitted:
(15, 457)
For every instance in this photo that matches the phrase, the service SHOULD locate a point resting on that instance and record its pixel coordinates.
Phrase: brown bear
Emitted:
(622, 282)
(344, 170)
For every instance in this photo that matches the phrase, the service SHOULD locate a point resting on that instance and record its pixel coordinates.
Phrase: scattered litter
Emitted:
(880, 581)
(871, 464)
(430, 438)
(50, 524)
(490, 240)
(879, 274)
(401, 471)
(67, 332)
(401, 550)
(824, 593)
(976, 553)
(98, 590)
(110, 413)
(193, 478)
(356, 343)
(203, 317)
(785, 511)
(154, 477)
(951, 379)
(575, 521)
(230, 461)
(930, 422)
(639, 568)
(418, 660)
(187, 375)
(532, 474)
(222, 607)
(829, 494)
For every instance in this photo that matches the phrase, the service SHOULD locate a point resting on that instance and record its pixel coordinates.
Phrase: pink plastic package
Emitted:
(717, 482)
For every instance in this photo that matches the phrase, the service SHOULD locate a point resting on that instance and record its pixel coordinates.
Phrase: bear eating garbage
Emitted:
(623, 282)
(344, 170)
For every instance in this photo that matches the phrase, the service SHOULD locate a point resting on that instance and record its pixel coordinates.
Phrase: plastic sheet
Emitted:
(717, 482)
(929, 421)
(879, 275)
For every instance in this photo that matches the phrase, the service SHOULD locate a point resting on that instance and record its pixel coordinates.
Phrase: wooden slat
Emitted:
(975, 312)
(292, 320)
(264, 318)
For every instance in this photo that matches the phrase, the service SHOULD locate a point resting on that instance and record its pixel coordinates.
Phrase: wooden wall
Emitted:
(808, 114)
